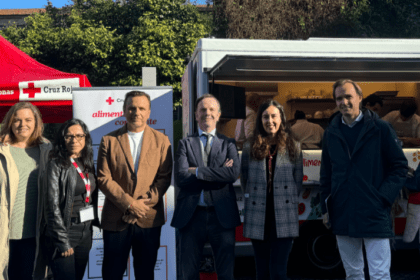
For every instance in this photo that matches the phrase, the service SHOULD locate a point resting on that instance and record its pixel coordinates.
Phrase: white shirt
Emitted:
(309, 134)
(203, 146)
(203, 138)
(135, 139)
(358, 119)
(245, 127)
(409, 128)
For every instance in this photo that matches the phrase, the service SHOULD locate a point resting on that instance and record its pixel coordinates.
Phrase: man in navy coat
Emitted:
(206, 165)
(362, 170)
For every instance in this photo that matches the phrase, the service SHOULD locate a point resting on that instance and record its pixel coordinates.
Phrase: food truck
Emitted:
(299, 74)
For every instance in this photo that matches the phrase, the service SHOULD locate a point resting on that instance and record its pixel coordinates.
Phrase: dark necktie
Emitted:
(207, 149)
(207, 195)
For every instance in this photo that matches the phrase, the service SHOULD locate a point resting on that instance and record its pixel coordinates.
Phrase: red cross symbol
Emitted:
(110, 100)
(31, 90)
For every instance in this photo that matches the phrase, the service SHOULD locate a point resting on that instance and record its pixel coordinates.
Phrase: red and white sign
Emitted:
(60, 89)
(311, 166)
(110, 100)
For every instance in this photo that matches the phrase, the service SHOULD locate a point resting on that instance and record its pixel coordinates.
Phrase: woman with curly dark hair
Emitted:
(271, 178)
(71, 201)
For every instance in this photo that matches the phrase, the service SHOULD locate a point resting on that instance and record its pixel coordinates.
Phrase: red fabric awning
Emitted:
(52, 111)
(22, 78)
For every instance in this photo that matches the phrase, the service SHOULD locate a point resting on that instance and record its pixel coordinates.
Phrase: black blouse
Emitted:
(80, 191)
(269, 213)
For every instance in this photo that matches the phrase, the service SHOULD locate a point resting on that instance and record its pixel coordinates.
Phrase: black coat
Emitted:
(61, 183)
(362, 184)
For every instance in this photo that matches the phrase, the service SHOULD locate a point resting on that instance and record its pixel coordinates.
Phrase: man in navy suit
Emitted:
(206, 165)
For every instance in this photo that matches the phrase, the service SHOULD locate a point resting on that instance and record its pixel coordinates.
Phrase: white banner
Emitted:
(47, 90)
(102, 111)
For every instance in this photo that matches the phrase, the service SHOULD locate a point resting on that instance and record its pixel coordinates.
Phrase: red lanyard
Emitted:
(85, 180)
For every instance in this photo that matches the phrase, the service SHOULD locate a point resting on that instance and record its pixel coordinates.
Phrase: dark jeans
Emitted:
(74, 266)
(271, 255)
(21, 258)
(204, 225)
(145, 243)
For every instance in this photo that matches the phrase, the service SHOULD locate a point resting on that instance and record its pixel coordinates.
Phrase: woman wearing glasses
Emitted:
(71, 199)
(271, 178)
(23, 157)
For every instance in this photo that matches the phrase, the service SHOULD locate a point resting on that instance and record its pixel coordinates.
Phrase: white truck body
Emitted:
(376, 64)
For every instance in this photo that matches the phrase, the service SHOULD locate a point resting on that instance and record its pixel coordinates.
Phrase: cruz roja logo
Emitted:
(110, 100)
(31, 90)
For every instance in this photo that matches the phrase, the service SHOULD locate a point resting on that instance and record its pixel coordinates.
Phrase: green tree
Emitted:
(390, 19)
(279, 19)
(301, 19)
(110, 42)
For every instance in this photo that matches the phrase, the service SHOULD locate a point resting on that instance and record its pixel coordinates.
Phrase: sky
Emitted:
(29, 4)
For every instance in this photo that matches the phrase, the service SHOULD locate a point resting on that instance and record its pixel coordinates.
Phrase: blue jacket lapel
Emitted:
(215, 148)
(196, 149)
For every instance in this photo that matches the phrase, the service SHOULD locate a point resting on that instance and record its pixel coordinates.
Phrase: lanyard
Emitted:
(85, 180)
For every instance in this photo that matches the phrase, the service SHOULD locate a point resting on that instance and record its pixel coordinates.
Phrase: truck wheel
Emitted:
(316, 250)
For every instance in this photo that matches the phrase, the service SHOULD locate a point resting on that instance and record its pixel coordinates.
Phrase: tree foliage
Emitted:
(390, 19)
(301, 19)
(111, 42)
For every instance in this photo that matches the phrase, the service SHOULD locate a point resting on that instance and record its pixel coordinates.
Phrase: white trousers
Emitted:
(413, 222)
(378, 254)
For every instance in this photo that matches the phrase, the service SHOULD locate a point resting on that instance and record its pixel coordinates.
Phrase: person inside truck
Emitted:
(374, 103)
(245, 127)
(309, 134)
(363, 169)
(406, 123)
(412, 224)
(271, 201)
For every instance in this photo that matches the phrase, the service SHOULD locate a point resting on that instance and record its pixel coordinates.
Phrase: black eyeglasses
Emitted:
(77, 136)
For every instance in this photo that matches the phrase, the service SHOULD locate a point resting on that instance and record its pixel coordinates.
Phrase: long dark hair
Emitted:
(260, 145)
(60, 152)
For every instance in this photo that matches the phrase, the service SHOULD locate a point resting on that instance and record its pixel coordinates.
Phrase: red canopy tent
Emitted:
(24, 79)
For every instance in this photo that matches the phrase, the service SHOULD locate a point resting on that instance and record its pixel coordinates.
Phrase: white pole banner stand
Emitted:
(102, 111)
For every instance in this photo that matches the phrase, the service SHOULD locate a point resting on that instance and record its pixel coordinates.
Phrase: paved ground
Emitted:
(405, 266)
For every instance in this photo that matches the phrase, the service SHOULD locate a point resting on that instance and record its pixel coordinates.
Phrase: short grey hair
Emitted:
(207, 95)
(342, 82)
